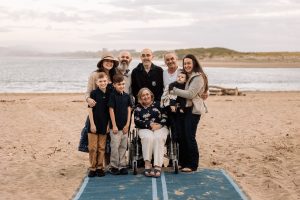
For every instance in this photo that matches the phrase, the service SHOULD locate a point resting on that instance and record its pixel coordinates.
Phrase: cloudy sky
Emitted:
(70, 25)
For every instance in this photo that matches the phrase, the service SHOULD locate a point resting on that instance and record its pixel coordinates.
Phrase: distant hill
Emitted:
(224, 54)
(218, 54)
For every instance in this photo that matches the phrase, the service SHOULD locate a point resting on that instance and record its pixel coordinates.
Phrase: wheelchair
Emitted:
(135, 159)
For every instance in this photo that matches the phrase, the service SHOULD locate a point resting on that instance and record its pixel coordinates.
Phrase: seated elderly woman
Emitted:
(151, 121)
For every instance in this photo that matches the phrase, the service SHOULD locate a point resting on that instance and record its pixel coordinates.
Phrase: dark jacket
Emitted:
(152, 80)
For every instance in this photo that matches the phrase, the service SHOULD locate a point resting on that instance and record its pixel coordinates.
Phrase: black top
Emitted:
(179, 101)
(100, 110)
(144, 116)
(120, 103)
(153, 80)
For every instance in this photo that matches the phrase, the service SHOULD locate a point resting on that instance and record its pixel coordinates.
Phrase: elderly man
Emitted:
(148, 75)
(170, 74)
(125, 60)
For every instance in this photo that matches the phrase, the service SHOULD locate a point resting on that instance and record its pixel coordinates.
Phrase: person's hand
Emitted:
(91, 102)
(125, 129)
(93, 128)
(155, 126)
(173, 108)
(204, 96)
(115, 129)
(171, 86)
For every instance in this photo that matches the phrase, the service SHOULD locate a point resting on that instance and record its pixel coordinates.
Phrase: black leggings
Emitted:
(188, 148)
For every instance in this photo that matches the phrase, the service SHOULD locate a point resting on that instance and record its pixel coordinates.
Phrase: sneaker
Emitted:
(100, 172)
(114, 171)
(92, 173)
(123, 171)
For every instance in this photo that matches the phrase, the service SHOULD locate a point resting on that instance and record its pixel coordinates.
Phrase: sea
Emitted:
(70, 75)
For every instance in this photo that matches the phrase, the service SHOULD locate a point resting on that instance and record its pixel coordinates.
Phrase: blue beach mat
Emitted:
(203, 184)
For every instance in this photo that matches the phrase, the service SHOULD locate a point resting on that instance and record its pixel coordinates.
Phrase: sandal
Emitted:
(157, 173)
(148, 173)
(186, 169)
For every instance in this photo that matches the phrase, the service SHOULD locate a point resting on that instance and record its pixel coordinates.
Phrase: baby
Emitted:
(175, 102)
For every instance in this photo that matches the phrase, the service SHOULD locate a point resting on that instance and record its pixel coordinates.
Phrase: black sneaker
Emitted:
(123, 171)
(114, 171)
(100, 172)
(92, 173)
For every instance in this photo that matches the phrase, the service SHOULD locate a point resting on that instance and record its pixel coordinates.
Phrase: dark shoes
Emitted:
(100, 172)
(123, 171)
(114, 171)
(92, 173)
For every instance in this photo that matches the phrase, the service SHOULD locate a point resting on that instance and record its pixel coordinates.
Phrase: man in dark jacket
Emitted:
(148, 75)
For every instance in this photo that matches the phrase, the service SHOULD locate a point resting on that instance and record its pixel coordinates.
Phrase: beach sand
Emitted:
(255, 138)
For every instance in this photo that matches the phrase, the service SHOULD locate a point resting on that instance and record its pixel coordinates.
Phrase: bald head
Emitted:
(125, 59)
(146, 57)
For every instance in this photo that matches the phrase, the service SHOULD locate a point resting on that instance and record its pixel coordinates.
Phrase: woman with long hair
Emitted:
(196, 85)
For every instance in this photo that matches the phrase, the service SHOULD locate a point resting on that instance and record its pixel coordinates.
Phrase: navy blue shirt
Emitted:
(100, 110)
(120, 103)
(144, 116)
(153, 80)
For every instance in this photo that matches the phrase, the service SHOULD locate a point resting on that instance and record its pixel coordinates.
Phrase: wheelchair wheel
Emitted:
(175, 165)
(134, 166)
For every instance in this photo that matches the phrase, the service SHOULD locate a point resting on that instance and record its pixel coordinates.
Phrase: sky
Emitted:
(91, 25)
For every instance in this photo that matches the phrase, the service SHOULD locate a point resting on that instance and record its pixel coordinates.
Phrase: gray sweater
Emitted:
(194, 87)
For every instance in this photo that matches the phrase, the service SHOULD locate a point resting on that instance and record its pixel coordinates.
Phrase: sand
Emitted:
(255, 138)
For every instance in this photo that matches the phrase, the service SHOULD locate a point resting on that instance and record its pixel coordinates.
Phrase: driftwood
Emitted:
(219, 91)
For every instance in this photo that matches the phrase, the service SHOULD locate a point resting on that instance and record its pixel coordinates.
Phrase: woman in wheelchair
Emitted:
(151, 120)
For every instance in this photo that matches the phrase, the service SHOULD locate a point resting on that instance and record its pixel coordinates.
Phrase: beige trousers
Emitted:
(118, 146)
(153, 142)
(96, 150)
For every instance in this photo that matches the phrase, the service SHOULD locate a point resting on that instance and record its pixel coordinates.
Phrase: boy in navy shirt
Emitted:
(99, 120)
(120, 113)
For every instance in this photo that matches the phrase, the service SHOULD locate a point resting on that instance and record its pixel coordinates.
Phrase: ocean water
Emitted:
(71, 75)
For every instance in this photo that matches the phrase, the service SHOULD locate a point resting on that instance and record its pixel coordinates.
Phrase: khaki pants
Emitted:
(153, 142)
(118, 145)
(96, 150)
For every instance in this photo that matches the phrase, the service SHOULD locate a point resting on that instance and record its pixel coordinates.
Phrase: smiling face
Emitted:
(188, 65)
(119, 86)
(145, 97)
(146, 58)
(108, 64)
(125, 59)
(171, 61)
(102, 83)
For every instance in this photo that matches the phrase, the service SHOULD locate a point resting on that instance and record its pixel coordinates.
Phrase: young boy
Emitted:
(99, 120)
(120, 113)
